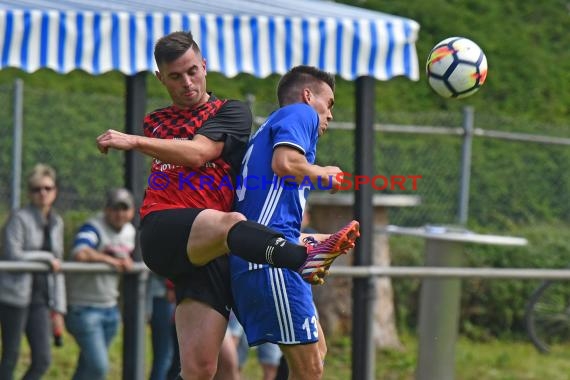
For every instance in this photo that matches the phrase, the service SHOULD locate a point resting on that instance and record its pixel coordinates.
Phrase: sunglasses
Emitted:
(40, 188)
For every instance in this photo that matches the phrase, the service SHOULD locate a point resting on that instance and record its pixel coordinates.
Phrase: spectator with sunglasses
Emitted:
(33, 303)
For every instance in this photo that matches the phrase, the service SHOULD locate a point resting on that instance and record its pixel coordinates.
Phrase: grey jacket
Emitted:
(23, 238)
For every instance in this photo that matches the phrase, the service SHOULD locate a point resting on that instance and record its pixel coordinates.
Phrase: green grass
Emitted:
(64, 359)
(494, 360)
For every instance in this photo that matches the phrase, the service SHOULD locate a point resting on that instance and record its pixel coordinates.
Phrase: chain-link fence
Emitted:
(513, 177)
(511, 180)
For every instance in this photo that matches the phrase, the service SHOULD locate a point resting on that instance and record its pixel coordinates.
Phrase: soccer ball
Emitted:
(456, 68)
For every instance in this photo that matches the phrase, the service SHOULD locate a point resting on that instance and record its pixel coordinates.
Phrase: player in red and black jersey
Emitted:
(187, 226)
(211, 185)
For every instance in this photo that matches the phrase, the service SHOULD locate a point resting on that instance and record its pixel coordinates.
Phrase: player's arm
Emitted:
(192, 153)
(85, 248)
(291, 163)
(233, 121)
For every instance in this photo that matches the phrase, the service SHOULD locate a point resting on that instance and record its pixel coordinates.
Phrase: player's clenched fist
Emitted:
(333, 176)
(115, 139)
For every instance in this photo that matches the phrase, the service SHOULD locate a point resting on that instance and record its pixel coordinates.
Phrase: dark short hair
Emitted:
(290, 83)
(172, 46)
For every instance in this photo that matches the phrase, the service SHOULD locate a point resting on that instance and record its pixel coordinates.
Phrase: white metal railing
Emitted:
(350, 271)
(134, 293)
(451, 272)
(20, 266)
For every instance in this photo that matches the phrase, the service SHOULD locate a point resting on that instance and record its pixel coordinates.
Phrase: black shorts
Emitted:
(164, 236)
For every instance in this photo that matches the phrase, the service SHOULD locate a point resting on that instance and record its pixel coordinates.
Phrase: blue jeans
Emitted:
(35, 321)
(267, 353)
(161, 323)
(93, 329)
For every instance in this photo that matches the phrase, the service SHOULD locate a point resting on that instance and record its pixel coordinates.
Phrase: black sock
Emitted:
(261, 245)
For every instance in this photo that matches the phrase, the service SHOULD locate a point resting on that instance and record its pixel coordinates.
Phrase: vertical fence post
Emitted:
(17, 148)
(465, 175)
(250, 101)
(363, 290)
(134, 290)
(134, 310)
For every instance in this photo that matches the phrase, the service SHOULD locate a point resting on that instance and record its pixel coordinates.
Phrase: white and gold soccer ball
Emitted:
(456, 68)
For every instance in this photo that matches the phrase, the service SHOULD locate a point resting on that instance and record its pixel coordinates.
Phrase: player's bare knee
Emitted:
(198, 369)
(232, 218)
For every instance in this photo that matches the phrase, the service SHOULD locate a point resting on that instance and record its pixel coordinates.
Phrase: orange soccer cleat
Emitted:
(321, 254)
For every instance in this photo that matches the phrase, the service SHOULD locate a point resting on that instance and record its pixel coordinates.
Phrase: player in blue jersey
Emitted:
(278, 171)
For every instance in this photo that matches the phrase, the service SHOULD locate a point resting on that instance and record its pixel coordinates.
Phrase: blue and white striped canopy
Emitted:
(259, 37)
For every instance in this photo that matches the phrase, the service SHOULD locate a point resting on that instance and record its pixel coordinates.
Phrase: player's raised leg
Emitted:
(209, 233)
(215, 233)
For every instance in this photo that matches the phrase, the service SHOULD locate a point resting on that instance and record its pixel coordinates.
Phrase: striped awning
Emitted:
(259, 37)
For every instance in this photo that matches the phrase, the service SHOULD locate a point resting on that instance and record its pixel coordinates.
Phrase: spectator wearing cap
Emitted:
(93, 315)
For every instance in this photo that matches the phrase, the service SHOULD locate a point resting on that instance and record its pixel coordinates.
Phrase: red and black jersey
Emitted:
(212, 185)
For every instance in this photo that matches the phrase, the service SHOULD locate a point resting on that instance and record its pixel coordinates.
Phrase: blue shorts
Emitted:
(274, 305)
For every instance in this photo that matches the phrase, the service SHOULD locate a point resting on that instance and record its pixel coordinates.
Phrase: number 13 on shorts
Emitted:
(310, 326)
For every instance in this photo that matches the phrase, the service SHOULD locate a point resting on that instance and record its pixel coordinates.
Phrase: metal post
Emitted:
(135, 167)
(463, 211)
(134, 290)
(17, 148)
(439, 313)
(250, 101)
(363, 292)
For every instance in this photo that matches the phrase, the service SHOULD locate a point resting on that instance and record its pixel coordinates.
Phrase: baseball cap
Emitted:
(120, 197)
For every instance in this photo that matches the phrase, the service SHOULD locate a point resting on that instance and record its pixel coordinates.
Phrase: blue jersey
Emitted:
(263, 197)
(275, 304)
